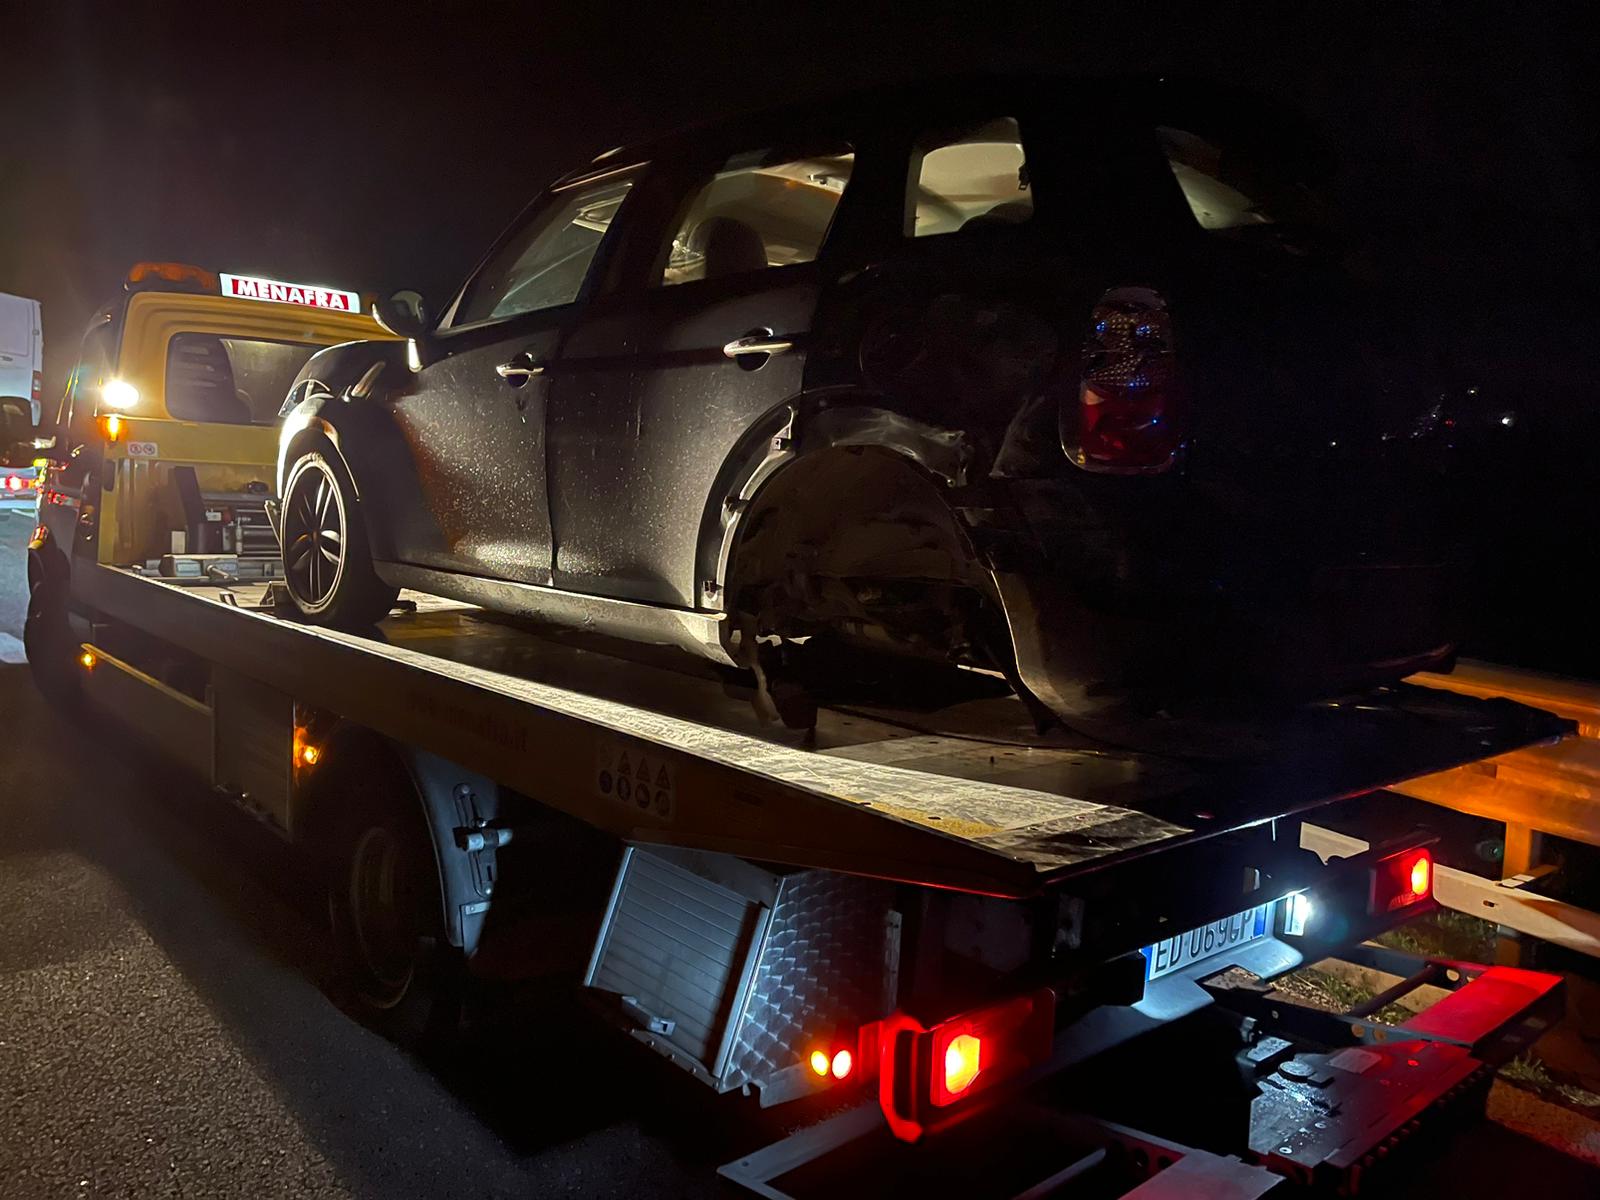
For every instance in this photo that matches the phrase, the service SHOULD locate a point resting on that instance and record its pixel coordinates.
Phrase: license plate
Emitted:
(1175, 953)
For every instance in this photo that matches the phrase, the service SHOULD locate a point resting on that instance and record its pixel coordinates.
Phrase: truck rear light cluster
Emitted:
(16, 483)
(924, 1073)
(1401, 880)
(1127, 417)
(1369, 893)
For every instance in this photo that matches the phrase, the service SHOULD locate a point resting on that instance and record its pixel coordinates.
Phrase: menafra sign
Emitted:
(246, 287)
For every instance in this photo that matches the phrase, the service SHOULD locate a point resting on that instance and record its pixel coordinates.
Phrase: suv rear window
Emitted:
(230, 381)
(1233, 190)
(968, 177)
(762, 209)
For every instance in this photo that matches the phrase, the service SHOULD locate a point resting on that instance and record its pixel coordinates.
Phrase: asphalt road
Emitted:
(163, 1034)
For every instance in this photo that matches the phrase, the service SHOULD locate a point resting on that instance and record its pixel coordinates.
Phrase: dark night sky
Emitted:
(380, 146)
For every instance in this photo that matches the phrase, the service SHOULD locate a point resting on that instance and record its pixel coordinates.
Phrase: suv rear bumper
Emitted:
(1161, 602)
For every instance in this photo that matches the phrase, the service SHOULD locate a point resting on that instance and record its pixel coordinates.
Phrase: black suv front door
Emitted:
(653, 395)
(475, 416)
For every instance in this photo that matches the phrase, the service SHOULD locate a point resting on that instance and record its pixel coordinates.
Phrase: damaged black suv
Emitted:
(1023, 376)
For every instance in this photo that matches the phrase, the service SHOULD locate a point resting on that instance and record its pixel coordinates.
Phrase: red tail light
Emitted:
(1400, 880)
(38, 385)
(13, 483)
(924, 1072)
(1128, 417)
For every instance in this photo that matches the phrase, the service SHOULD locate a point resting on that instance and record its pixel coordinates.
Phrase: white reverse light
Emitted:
(118, 393)
(1297, 913)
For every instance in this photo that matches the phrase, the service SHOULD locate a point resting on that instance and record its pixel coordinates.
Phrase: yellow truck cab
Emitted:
(165, 441)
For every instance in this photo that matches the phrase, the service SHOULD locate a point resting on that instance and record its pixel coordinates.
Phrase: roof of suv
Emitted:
(1116, 101)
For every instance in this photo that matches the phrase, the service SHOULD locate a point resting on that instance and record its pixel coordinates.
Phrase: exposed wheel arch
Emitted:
(794, 434)
(860, 541)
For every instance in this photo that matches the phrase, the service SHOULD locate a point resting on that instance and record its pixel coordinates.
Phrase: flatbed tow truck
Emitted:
(906, 906)
(936, 929)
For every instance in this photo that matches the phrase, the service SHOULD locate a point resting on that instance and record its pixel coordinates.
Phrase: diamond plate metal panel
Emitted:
(751, 967)
(821, 969)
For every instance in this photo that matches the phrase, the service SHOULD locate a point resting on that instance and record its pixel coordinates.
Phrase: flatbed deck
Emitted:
(656, 749)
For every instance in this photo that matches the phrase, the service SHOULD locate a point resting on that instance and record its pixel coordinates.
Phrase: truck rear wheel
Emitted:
(398, 972)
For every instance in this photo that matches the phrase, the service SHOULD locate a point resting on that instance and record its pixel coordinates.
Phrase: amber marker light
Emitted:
(306, 754)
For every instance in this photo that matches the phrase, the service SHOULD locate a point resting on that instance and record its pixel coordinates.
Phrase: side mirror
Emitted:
(404, 314)
(17, 432)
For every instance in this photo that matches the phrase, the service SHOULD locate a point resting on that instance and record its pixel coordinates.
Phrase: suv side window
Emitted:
(968, 177)
(545, 263)
(761, 209)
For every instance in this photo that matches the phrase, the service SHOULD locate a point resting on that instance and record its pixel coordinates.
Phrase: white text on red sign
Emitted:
(246, 287)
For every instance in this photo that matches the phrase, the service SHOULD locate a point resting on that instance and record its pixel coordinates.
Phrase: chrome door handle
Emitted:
(519, 369)
(756, 344)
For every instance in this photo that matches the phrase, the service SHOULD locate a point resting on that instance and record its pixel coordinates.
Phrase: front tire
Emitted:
(327, 560)
(50, 646)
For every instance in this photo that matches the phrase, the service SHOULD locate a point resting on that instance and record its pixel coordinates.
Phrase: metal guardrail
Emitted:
(1537, 791)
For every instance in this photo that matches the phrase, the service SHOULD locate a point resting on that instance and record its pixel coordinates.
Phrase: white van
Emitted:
(21, 350)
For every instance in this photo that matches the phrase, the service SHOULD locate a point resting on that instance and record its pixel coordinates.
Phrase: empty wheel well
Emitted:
(848, 540)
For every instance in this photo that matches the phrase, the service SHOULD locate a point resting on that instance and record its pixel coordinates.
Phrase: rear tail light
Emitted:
(13, 483)
(1401, 880)
(962, 1060)
(925, 1074)
(38, 385)
(1127, 417)
(1369, 893)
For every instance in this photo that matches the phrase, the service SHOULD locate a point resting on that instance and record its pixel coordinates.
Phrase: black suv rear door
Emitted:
(654, 392)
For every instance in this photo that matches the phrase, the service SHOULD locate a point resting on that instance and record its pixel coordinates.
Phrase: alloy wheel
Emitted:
(315, 534)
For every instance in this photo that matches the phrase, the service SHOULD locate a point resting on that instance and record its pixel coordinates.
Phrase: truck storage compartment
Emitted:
(737, 972)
